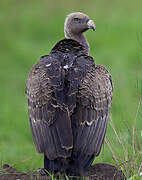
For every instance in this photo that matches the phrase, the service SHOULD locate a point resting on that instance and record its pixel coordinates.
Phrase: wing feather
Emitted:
(91, 116)
(49, 117)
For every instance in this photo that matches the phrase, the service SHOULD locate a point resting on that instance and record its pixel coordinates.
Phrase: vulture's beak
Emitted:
(91, 25)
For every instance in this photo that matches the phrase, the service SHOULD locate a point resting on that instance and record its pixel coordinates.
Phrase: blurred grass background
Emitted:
(29, 29)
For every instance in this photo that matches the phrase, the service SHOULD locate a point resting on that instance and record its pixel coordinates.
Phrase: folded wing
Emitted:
(91, 114)
(49, 118)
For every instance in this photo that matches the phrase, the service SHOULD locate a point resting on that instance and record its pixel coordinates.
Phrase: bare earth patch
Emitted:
(96, 172)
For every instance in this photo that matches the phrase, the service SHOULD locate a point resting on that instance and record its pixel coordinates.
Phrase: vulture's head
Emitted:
(77, 23)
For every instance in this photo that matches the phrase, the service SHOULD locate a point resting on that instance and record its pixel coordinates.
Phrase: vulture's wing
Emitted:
(92, 112)
(49, 117)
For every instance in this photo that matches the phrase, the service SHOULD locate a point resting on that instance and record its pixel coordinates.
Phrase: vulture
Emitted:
(69, 99)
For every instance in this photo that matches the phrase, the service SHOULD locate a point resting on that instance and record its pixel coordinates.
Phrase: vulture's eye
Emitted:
(77, 19)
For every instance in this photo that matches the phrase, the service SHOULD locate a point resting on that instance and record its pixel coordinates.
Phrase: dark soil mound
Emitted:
(96, 172)
(105, 172)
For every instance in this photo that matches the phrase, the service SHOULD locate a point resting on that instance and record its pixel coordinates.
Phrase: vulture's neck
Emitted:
(79, 38)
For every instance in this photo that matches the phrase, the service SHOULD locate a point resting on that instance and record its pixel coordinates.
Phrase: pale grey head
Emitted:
(75, 25)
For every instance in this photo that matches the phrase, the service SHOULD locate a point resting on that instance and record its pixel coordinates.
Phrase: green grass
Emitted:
(128, 152)
(29, 29)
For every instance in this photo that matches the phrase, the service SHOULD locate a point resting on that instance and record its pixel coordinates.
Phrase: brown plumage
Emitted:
(69, 99)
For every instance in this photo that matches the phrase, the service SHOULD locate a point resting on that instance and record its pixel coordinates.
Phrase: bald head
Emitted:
(77, 23)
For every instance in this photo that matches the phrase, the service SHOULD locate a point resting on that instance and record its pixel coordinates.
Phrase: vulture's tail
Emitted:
(56, 165)
(67, 166)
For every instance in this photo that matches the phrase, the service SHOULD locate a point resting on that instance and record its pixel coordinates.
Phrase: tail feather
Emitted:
(56, 165)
